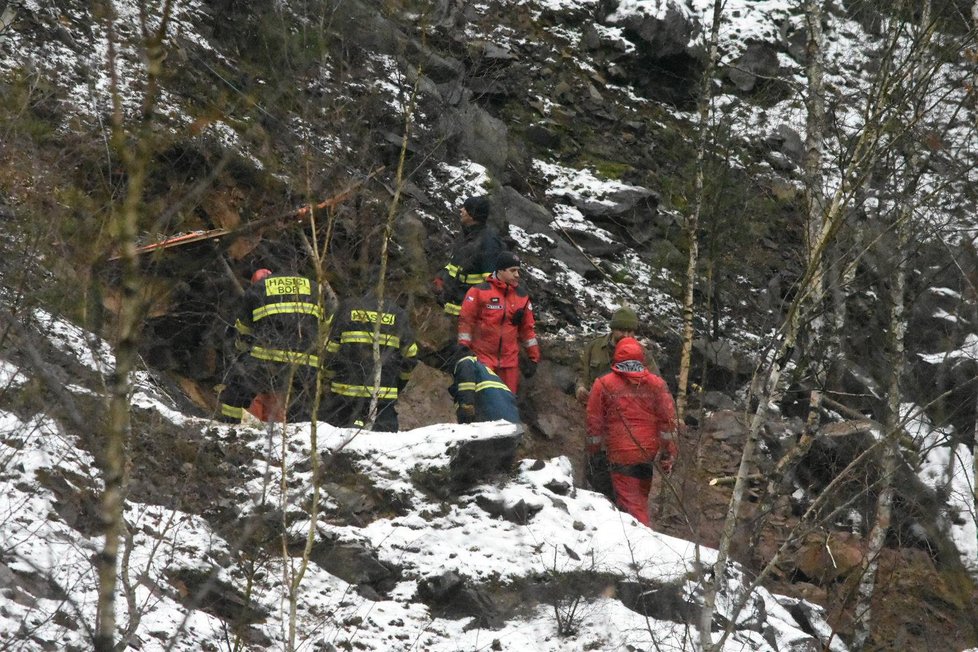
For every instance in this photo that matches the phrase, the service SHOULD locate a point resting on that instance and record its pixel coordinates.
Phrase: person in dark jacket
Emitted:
(479, 394)
(278, 330)
(350, 368)
(473, 256)
(497, 319)
(631, 419)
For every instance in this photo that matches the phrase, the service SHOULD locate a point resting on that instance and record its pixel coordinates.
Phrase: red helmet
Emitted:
(260, 275)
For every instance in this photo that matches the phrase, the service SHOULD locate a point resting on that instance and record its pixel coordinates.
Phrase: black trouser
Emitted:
(597, 473)
(250, 376)
(598, 470)
(351, 412)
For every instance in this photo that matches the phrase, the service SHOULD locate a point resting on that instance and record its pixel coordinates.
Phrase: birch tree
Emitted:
(882, 128)
(895, 355)
(693, 218)
(132, 147)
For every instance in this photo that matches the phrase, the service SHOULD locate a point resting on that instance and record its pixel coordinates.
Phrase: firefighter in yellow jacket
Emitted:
(351, 367)
(278, 331)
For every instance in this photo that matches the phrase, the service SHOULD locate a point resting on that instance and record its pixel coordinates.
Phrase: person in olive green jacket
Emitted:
(597, 354)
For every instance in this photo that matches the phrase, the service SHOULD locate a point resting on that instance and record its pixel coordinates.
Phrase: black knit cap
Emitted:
(507, 259)
(477, 207)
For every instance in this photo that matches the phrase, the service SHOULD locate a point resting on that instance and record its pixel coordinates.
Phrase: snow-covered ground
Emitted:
(570, 530)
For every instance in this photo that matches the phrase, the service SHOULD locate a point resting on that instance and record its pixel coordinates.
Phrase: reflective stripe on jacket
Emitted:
(282, 313)
(485, 324)
(477, 386)
(473, 259)
(357, 325)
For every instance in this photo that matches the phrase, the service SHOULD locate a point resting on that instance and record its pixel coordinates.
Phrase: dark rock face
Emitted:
(451, 596)
(667, 63)
(204, 591)
(673, 34)
(659, 601)
(473, 461)
(759, 61)
(519, 512)
(356, 564)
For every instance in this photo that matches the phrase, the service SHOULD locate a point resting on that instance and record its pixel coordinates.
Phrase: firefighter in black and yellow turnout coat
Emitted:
(350, 366)
(278, 329)
(473, 258)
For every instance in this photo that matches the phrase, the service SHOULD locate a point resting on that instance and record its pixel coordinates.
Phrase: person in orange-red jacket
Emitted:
(496, 318)
(631, 417)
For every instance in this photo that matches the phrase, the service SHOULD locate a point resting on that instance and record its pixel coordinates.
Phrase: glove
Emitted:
(517, 318)
(581, 394)
(529, 369)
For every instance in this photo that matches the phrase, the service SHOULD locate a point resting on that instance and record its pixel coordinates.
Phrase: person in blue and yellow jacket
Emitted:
(480, 395)
(473, 256)
(277, 336)
(351, 368)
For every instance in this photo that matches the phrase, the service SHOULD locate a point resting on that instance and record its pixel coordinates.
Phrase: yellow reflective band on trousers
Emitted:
(278, 355)
(287, 308)
(411, 351)
(362, 391)
(470, 279)
(453, 308)
(363, 337)
(231, 411)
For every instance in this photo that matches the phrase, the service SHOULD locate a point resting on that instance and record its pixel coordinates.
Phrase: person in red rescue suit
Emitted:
(496, 318)
(631, 418)
(278, 329)
(473, 256)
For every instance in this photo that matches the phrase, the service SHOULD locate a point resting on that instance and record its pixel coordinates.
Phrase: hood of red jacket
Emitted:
(628, 348)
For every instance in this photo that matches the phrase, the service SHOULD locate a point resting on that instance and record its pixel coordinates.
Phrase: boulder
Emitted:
(475, 460)
(759, 61)
(533, 218)
(827, 558)
(668, 33)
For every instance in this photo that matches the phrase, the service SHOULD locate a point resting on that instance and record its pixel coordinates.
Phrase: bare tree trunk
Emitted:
(974, 447)
(384, 246)
(895, 354)
(693, 219)
(692, 227)
(124, 223)
(815, 204)
(892, 429)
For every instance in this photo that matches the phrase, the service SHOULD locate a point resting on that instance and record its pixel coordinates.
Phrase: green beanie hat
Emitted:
(624, 319)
